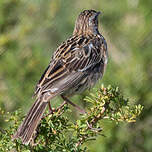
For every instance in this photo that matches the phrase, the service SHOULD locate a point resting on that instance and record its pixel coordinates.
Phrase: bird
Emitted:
(76, 65)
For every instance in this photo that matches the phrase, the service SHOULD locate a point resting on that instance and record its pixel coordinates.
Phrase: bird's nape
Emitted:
(87, 23)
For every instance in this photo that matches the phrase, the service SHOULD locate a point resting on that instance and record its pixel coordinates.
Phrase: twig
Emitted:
(55, 110)
(93, 122)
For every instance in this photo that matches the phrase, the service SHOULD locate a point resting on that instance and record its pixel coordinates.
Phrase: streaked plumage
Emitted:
(76, 65)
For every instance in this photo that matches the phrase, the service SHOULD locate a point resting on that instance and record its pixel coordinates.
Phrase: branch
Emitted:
(57, 132)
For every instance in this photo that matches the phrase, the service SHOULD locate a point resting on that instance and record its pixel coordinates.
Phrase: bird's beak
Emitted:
(98, 13)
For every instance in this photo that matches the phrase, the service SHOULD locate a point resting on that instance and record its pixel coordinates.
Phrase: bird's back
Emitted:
(80, 55)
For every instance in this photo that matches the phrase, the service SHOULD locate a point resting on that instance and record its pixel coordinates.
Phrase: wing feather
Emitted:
(69, 63)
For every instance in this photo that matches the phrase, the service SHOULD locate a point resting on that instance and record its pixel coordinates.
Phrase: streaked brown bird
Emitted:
(76, 65)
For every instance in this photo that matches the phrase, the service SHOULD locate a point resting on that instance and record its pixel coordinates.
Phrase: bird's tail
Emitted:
(30, 123)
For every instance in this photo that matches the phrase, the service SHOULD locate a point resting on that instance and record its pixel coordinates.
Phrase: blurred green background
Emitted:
(31, 30)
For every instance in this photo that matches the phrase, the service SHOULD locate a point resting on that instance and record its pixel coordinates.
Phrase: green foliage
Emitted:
(57, 132)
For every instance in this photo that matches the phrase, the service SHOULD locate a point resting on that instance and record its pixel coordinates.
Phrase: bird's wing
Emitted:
(69, 64)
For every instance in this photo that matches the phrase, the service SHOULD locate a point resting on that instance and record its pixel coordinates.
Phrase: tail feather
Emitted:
(30, 123)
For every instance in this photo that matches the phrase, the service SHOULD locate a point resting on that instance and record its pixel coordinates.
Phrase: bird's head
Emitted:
(87, 23)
